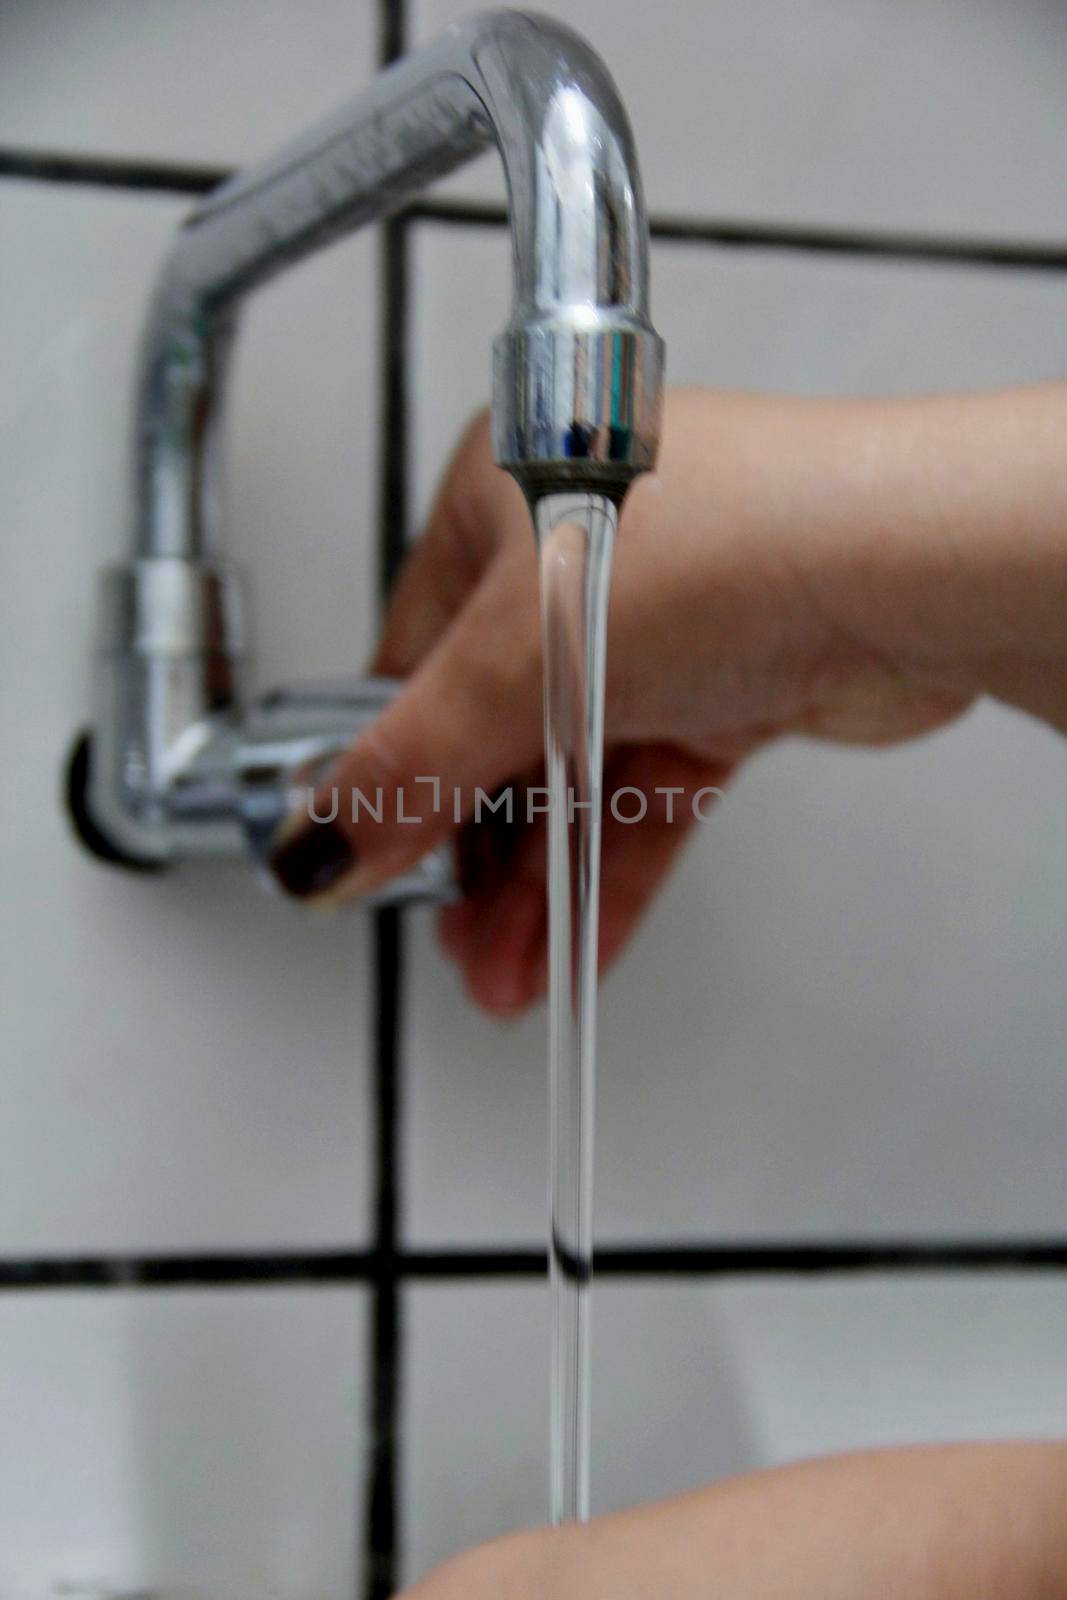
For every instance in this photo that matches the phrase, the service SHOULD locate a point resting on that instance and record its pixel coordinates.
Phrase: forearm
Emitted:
(977, 1522)
(935, 529)
(966, 1523)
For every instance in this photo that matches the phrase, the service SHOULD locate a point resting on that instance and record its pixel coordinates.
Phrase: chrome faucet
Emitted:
(180, 761)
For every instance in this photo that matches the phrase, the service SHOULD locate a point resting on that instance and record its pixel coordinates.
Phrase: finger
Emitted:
(467, 718)
(680, 788)
(486, 849)
(495, 937)
(501, 968)
(495, 933)
(475, 508)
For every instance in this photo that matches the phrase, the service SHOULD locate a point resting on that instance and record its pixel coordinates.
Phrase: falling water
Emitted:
(576, 537)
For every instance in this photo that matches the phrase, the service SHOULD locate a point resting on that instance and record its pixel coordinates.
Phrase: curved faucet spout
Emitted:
(181, 763)
(577, 371)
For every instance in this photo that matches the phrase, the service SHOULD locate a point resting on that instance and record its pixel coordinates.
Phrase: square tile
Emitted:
(208, 1444)
(219, 83)
(186, 1058)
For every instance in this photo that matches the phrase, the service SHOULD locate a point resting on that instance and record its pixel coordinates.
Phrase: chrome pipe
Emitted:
(577, 371)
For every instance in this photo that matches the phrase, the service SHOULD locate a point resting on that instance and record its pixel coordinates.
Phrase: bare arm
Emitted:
(968, 1522)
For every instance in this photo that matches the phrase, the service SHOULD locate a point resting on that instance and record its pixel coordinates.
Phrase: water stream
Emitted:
(576, 537)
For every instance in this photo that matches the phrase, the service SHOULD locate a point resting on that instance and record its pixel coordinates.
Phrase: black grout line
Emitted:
(393, 265)
(807, 239)
(111, 172)
(295, 1268)
(209, 1270)
(381, 1510)
(888, 244)
(774, 1258)
(728, 233)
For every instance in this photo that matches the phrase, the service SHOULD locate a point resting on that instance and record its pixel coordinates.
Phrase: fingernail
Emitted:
(313, 859)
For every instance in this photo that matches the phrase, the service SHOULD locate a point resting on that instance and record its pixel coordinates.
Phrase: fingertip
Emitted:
(503, 935)
(454, 927)
(500, 991)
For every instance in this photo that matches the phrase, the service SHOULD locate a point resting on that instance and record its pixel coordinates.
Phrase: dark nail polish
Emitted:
(312, 860)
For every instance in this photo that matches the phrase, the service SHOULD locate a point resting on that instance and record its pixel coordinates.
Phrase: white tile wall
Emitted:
(189, 1442)
(848, 1014)
(185, 1061)
(890, 112)
(202, 81)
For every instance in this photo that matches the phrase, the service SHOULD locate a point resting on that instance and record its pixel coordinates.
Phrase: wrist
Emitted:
(934, 531)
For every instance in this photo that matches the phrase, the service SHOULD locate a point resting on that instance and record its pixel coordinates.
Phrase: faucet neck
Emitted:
(577, 371)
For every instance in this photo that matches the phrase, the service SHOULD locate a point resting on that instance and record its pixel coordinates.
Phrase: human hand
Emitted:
(826, 568)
